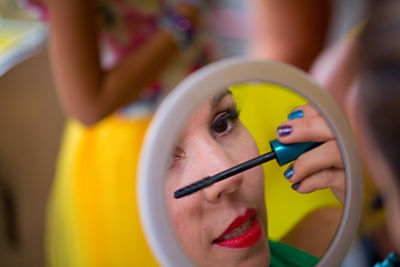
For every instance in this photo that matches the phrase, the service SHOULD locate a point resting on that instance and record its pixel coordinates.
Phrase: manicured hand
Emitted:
(321, 167)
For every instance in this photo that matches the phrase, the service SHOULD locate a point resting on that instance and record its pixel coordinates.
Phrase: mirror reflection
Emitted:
(269, 213)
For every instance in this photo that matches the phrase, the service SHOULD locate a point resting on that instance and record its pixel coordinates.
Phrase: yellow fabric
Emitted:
(92, 216)
(263, 107)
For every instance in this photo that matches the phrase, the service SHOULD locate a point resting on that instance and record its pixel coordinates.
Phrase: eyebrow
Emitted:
(218, 98)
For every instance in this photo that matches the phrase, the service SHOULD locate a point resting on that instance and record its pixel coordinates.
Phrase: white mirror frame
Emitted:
(194, 90)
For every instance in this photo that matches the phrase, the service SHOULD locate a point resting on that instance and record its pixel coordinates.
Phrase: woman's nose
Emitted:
(224, 188)
(217, 161)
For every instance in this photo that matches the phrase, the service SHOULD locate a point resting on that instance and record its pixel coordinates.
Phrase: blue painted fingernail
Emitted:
(297, 114)
(289, 172)
(296, 186)
(284, 130)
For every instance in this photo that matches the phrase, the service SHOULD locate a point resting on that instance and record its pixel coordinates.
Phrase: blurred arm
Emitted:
(289, 31)
(85, 90)
(315, 232)
(335, 69)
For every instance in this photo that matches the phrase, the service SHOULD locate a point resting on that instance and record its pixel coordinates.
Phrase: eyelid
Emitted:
(230, 116)
(227, 114)
(229, 109)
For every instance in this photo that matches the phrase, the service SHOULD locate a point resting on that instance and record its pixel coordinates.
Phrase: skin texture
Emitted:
(310, 226)
(87, 92)
(203, 216)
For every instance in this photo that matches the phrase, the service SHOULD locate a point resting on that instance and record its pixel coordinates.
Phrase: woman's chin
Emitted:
(255, 255)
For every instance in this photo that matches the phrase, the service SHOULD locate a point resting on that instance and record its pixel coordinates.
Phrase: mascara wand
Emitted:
(283, 153)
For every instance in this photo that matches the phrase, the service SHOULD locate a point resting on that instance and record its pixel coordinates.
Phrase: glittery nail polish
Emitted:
(297, 114)
(284, 130)
(289, 172)
(296, 186)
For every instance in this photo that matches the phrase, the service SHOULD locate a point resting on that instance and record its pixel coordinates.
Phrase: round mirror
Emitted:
(260, 197)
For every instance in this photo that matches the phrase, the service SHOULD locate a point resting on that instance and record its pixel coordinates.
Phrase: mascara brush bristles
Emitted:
(210, 180)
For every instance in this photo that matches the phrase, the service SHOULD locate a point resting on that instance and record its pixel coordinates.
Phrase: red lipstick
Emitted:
(243, 232)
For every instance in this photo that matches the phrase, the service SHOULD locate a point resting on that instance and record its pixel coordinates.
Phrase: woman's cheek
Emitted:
(241, 148)
(180, 223)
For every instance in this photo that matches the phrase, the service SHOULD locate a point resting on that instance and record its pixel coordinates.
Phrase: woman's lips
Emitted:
(243, 232)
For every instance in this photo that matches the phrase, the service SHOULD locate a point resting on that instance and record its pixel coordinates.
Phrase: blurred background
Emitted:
(30, 127)
(31, 122)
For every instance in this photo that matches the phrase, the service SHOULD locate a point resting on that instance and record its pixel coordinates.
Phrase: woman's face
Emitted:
(224, 224)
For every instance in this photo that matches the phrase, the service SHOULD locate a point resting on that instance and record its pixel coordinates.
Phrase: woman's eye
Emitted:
(224, 123)
(221, 126)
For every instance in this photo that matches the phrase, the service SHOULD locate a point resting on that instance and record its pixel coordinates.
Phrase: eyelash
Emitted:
(231, 114)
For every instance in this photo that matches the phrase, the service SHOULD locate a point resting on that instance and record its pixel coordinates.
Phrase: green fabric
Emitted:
(283, 255)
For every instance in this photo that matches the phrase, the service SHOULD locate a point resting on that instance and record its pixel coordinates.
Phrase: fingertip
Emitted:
(289, 172)
(295, 114)
(296, 186)
(284, 130)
